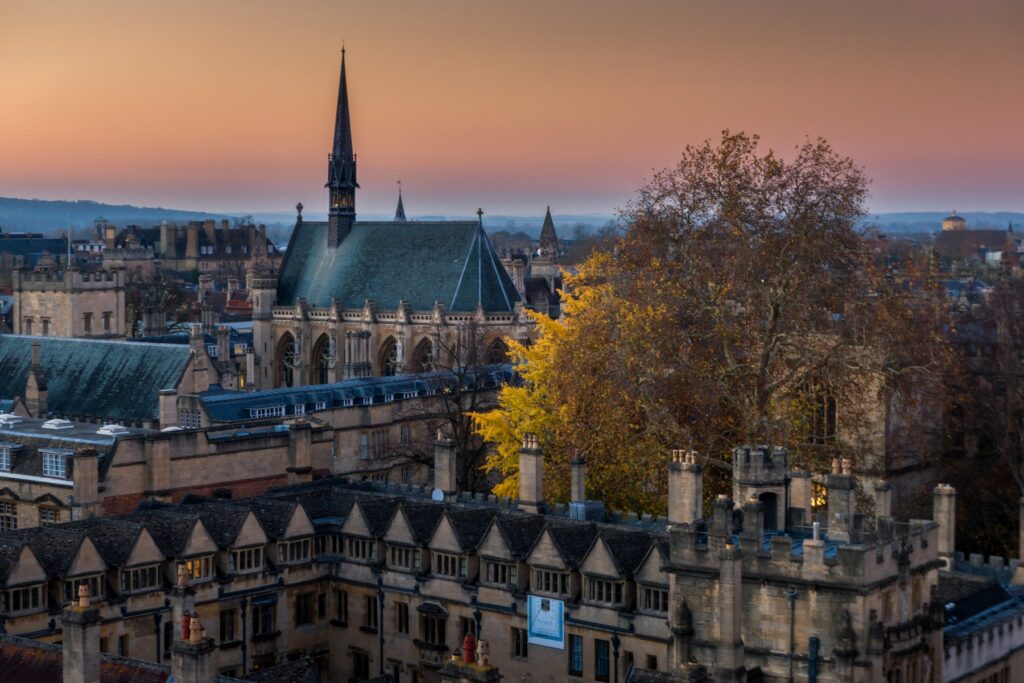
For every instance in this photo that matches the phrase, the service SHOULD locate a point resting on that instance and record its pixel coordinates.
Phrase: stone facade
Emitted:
(70, 303)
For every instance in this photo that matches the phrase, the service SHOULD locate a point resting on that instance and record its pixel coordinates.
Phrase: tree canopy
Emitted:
(740, 299)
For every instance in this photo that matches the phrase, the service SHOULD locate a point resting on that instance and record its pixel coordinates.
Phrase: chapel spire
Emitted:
(548, 237)
(400, 209)
(341, 169)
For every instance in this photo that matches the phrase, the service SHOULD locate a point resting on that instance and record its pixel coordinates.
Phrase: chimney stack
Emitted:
(531, 475)
(81, 649)
(685, 488)
(223, 344)
(86, 477)
(445, 470)
(883, 499)
(35, 385)
(578, 485)
(841, 500)
(944, 512)
(192, 659)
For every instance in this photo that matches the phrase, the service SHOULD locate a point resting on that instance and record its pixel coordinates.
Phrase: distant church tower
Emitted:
(400, 209)
(341, 171)
(548, 238)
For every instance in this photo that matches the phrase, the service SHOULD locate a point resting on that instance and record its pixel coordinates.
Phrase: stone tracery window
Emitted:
(389, 358)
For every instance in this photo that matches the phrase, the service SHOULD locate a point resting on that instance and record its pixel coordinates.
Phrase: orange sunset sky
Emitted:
(228, 105)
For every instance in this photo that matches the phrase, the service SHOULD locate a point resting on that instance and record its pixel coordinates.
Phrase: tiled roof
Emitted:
(628, 549)
(30, 661)
(109, 380)
(32, 247)
(113, 538)
(520, 531)
(300, 671)
(54, 546)
(387, 262)
(170, 530)
(470, 526)
(573, 541)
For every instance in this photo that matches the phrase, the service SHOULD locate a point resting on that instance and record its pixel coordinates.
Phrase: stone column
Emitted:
(944, 512)
(730, 616)
(81, 650)
(300, 457)
(531, 475)
(685, 488)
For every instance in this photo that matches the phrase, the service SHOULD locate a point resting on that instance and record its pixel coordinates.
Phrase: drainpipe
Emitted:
(157, 618)
(616, 641)
(791, 596)
(244, 604)
(812, 660)
(380, 620)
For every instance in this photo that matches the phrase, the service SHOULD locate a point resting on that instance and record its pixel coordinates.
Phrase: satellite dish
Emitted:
(437, 495)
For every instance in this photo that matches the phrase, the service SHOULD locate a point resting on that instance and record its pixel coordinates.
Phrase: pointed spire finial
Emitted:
(480, 215)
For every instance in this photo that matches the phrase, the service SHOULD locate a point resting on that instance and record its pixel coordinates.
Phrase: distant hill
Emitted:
(54, 217)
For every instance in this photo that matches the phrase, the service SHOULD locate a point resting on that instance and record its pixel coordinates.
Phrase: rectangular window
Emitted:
(5, 458)
(228, 618)
(405, 435)
(23, 599)
(519, 642)
(362, 549)
(575, 655)
(364, 446)
(370, 613)
(379, 443)
(188, 418)
(402, 617)
(140, 579)
(87, 322)
(46, 326)
(273, 411)
(655, 599)
(299, 409)
(28, 326)
(122, 645)
(553, 583)
(320, 405)
(97, 587)
(321, 606)
(341, 605)
(652, 662)
(601, 660)
(199, 568)
(304, 609)
(54, 463)
(329, 544)
(404, 557)
(48, 516)
(604, 592)
(501, 573)
(263, 620)
(293, 551)
(360, 666)
(8, 516)
(432, 630)
(106, 321)
(245, 560)
(453, 566)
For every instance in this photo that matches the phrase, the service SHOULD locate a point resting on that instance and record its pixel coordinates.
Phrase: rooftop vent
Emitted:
(9, 419)
(171, 429)
(112, 430)
(58, 423)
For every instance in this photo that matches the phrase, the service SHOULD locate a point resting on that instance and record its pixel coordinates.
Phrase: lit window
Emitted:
(199, 568)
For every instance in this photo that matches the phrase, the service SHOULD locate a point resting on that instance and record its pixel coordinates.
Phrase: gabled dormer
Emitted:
(603, 584)
(448, 558)
(88, 567)
(198, 554)
(499, 567)
(403, 553)
(360, 545)
(296, 546)
(652, 581)
(247, 554)
(23, 589)
(140, 572)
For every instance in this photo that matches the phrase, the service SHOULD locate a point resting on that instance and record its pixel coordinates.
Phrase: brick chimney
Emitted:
(531, 475)
(81, 649)
(192, 239)
(35, 385)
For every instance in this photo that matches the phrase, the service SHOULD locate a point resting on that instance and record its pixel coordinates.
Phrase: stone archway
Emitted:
(284, 361)
(320, 360)
(388, 360)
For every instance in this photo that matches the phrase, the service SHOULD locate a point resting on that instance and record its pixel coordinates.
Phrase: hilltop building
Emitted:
(356, 298)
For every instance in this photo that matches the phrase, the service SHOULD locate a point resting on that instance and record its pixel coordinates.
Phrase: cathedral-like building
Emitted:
(357, 298)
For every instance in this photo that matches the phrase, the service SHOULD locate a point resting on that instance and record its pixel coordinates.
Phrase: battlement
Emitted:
(69, 280)
(129, 253)
(760, 465)
(264, 283)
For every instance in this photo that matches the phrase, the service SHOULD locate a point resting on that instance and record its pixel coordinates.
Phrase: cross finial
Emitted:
(480, 215)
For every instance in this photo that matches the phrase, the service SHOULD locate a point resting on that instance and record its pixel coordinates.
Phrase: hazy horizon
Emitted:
(228, 107)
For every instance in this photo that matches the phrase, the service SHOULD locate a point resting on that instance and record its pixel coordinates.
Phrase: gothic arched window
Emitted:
(389, 357)
(284, 361)
(321, 361)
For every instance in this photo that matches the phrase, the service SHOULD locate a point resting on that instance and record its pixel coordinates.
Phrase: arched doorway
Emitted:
(497, 352)
(284, 361)
(320, 361)
(422, 357)
(389, 357)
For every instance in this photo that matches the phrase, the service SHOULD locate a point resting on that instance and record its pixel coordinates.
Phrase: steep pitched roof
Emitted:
(91, 378)
(420, 263)
(341, 169)
(548, 237)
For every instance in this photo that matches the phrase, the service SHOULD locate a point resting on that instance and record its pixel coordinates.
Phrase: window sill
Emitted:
(230, 644)
(257, 638)
(368, 629)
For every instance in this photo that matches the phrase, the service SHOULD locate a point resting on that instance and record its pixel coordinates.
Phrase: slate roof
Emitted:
(31, 248)
(423, 519)
(108, 380)
(54, 546)
(628, 549)
(573, 541)
(387, 262)
(520, 532)
(113, 538)
(9, 552)
(470, 526)
(30, 661)
(170, 530)
(299, 671)
(235, 406)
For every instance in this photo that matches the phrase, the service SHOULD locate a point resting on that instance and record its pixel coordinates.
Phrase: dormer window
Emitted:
(452, 566)
(655, 599)
(199, 568)
(140, 579)
(293, 551)
(362, 549)
(245, 560)
(501, 573)
(5, 456)
(550, 582)
(409, 394)
(604, 592)
(299, 409)
(320, 405)
(55, 462)
(273, 411)
(26, 599)
(403, 557)
(97, 587)
(348, 402)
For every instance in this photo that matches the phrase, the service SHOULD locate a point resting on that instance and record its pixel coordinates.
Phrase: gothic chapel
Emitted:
(357, 299)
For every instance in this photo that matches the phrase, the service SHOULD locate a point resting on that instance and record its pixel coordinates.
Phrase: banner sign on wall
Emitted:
(545, 622)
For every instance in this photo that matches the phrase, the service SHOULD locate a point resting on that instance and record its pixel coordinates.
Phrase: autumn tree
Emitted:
(739, 302)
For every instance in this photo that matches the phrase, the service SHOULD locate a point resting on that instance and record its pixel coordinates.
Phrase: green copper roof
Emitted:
(89, 378)
(386, 262)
